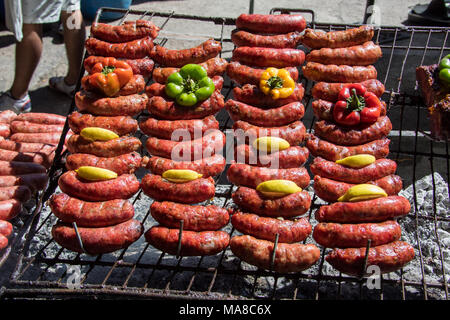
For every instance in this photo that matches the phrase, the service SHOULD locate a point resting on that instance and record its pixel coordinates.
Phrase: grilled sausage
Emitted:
(331, 190)
(268, 57)
(294, 133)
(193, 243)
(41, 148)
(178, 58)
(119, 106)
(338, 73)
(243, 38)
(169, 110)
(195, 218)
(332, 152)
(29, 127)
(243, 74)
(5, 130)
(388, 257)
(7, 116)
(289, 231)
(111, 148)
(178, 130)
(331, 170)
(289, 257)
(272, 117)
(288, 206)
(43, 159)
(323, 109)
(135, 49)
(20, 192)
(250, 94)
(3, 242)
(359, 55)
(41, 118)
(316, 39)
(330, 91)
(128, 31)
(351, 136)
(336, 235)
(122, 187)
(46, 138)
(125, 163)
(204, 147)
(143, 66)
(90, 214)
(214, 67)
(15, 168)
(98, 240)
(375, 210)
(34, 181)
(6, 228)
(134, 86)
(292, 157)
(194, 191)
(250, 176)
(271, 23)
(121, 125)
(208, 167)
(9, 209)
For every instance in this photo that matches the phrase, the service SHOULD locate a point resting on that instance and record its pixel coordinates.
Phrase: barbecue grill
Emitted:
(44, 269)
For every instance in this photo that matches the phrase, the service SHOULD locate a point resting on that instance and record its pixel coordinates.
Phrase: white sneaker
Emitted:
(7, 102)
(58, 84)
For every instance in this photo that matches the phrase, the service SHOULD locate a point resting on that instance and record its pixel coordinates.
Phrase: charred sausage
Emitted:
(242, 38)
(9, 209)
(288, 206)
(194, 191)
(90, 214)
(268, 57)
(338, 73)
(331, 190)
(121, 125)
(29, 127)
(204, 243)
(15, 168)
(195, 218)
(44, 159)
(331, 170)
(375, 210)
(128, 31)
(98, 240)
(135, 49)
(289, 257)
(250, 176)
(46, 138)
(111, 148)
(317, 39)
(271, 23)
(41, 118)
(122, 187)
(34, 181)
(289, 231)
(20, 192)
(388, 257)
(125, 163)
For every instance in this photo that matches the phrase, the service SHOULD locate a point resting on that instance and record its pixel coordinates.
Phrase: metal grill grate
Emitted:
(44, 268)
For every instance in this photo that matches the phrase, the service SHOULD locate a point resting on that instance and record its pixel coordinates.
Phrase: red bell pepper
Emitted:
(356, 105)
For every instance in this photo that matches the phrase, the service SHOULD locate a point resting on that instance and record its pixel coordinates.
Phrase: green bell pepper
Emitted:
(189, 85)
(444, 69)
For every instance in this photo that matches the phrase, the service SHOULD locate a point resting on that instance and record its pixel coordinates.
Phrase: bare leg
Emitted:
(74, 36)
(28, 54)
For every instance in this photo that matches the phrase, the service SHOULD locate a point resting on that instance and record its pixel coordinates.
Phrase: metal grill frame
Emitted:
(397, 100)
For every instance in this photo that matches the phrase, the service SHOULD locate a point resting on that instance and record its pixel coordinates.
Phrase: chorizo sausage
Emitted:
(6, 228)
(289, 231)
(46, 138)
(288, 206)
(135, 49)
(316, 39)
(9, 209)
(20, 192)
(128, 31)
(98, 240)
(121, 125)
(204, 243)
(375, 210)
(268, 57)
(250, 176)
(29, 127)
(7, 116)
(122, 187)
(194, 191)
(34, 181)
(40, 158)
(122, 164)
(195, 218)
(292, 157)
(338, 73)
(41, 118)
(271, 23)
(90, 214)
(15, 168)
(289, 257)
(110, 148)
(242, 38)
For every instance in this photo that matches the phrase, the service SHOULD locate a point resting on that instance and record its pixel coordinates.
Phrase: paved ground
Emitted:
(53, 61)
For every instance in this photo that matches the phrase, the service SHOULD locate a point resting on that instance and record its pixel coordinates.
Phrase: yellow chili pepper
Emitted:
(277, 82)
(277, 188)
(268, 144)
(95, 173)
(362, 192)
(357, 161)
(180, 175)
(94, 133)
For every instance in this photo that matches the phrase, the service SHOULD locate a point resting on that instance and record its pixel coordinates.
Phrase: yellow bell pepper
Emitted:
(277, 82)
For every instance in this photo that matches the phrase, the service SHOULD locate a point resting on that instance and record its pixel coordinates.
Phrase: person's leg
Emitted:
(28, 54)
(74, 36)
